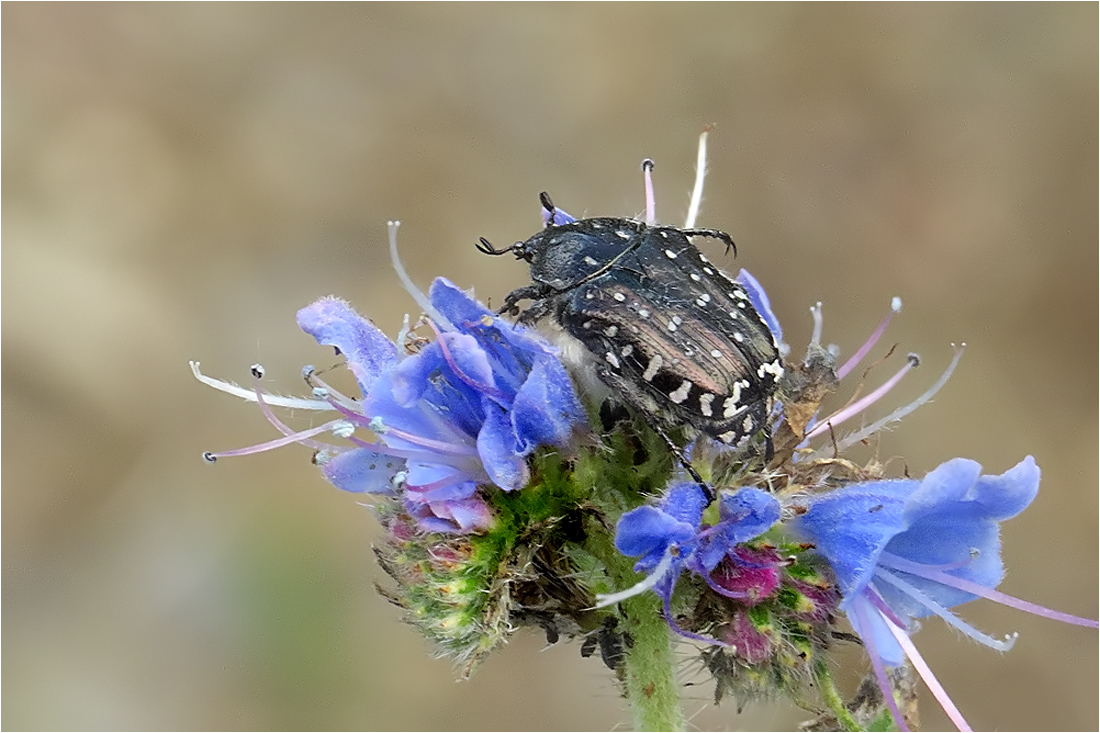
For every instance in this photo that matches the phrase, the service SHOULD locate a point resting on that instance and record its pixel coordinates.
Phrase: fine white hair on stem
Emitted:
(700, 174)
(410, 286)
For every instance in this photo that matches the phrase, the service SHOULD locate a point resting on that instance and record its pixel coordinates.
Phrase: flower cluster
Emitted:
(503, 506)
(450, 415)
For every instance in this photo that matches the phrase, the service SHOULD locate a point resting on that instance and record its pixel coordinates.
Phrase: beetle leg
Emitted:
(713, 234)
(708, 491)
(535, 312)
(536, 292)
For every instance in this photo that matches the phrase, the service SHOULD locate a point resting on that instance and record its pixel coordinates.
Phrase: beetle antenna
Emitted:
(483, 245)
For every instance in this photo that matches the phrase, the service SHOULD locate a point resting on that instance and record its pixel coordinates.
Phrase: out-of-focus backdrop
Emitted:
(179, 179)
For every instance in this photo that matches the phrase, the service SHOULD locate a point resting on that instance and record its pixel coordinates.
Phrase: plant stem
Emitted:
(650, 679)
(833, 700)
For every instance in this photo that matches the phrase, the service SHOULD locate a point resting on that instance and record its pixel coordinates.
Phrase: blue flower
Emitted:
(466, 409)
(463, 411)
(906, 549)
(905, 545)
(669, 538)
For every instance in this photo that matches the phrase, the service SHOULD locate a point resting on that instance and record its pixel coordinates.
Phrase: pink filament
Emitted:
(860, 611)
(997, 596)
(868, 345)
(925, 673)
(861, 405)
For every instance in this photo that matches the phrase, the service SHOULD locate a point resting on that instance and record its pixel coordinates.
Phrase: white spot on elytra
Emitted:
(716, 353)
(773, 368)
(670, 254)
(681, 392)
(611, 331)
(739, 337)
(653, 368)
(733, 314)
(586, 325)
(748, 424)
(619, 297)
(705, 297)
(703, 257)
(728, 436)
(741, 304)
(704, 404)
(589, 295)
(643, 313)
(627, 350)
(677, 320)
(612, 359)
(590, 261)
(671, 325)
(733, 402)
(663, 234)
(622, 234)
(696, 278)
(708, 270)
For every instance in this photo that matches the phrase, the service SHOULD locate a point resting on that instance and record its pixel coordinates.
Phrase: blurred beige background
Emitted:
(179, 179)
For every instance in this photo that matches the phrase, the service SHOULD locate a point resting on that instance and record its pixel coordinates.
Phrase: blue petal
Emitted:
(496, 444)
(875, 631)
(546, 408)
(760, 302)
(752, 512)
(945, 485)
(447, 408)
(334, 323)
(362, 471)
(468, 362)
(745, 514)
(851, 526)
(685, 501)
(471, 515)
(456, 304)
(1007, 495)
(647, 532)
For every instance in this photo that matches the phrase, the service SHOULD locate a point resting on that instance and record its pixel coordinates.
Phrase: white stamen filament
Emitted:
(297, 403)
(860, 611)
(901, 412)
(650, 199)
(282, 427)
(335, 396)
(608, 599)
(935, 573)
(819, 319)
(916, 594)
(410, 286)
(700, 174)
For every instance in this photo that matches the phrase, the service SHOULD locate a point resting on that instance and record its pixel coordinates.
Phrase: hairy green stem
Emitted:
(649, 678)
(833, 699)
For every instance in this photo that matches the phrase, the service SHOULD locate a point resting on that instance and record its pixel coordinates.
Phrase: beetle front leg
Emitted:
(535, 292)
